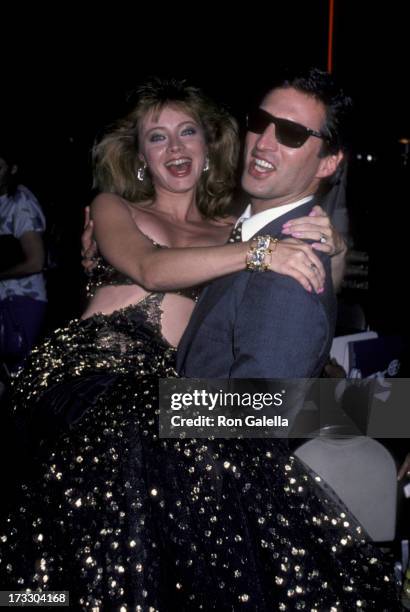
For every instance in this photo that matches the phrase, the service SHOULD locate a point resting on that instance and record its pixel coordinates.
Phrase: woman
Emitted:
(117, 516)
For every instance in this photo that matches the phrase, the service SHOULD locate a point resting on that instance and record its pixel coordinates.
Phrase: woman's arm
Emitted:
(129, 251)
(317, 226)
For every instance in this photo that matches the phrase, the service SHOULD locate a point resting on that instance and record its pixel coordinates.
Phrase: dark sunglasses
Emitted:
(288, 133)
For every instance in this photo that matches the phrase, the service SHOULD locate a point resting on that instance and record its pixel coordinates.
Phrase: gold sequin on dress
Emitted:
(124, 520)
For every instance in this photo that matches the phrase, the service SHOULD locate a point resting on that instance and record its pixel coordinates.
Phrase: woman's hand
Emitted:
(317, 226)
(297, 259)
(89, 251)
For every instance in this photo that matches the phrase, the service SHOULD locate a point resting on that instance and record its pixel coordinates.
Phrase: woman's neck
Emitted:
(178, 206)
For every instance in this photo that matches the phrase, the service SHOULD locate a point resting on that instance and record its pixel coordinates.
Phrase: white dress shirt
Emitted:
(251, 224)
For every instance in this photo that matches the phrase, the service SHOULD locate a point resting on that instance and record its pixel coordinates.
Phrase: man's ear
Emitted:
(13, 169)
(328, 165)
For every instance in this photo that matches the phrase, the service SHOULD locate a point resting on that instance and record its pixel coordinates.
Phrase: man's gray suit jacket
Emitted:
(260, 324)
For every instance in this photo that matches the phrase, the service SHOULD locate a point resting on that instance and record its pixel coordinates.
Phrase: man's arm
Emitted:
(281, 330)
(32, 246)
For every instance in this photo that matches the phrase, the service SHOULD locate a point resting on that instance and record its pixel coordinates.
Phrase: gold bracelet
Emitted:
(256, 256)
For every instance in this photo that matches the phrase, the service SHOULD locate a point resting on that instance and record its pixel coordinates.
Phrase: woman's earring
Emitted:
(206, 166)
(141, 172)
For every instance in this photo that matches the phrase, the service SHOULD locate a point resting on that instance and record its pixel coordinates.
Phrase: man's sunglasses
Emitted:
(287, 133)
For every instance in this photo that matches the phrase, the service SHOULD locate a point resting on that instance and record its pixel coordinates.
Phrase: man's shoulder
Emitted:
(285, 297)
(272, 283)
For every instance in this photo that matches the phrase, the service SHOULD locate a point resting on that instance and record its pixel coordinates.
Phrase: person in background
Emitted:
(23, 297)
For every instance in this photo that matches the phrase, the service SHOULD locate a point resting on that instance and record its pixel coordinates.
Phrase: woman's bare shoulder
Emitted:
(106, 199)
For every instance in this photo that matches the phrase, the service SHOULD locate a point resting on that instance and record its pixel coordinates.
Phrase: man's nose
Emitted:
(268, 140)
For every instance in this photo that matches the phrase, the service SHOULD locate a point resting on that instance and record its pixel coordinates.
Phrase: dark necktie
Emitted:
(236, 234)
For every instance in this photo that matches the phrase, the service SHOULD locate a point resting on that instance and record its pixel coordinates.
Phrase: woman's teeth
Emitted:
(177, 162)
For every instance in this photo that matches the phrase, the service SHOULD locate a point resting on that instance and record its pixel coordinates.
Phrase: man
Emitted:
(265, 325)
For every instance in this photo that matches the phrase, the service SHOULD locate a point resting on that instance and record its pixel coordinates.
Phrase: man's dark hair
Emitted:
(322, 86)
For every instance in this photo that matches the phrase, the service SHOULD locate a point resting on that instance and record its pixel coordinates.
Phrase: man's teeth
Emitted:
(264, 164)
(178, 162)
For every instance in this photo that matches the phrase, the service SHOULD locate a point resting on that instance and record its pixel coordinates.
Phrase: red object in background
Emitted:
(330, 36)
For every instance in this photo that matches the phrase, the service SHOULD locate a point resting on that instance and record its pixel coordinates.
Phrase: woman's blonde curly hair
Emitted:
(115, 157)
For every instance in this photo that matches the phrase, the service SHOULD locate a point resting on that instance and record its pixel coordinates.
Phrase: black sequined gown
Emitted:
(124, 520)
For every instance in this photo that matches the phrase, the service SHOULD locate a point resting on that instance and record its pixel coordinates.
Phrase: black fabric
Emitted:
(119, 517)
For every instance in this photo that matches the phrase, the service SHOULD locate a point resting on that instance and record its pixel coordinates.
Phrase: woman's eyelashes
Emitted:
(160, 137)
(156, 137)
(189, 131)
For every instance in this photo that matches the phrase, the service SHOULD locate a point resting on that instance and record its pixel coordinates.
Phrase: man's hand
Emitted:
(89, 250)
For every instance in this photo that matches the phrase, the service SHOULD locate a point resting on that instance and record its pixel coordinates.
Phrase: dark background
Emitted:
(66, 75)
